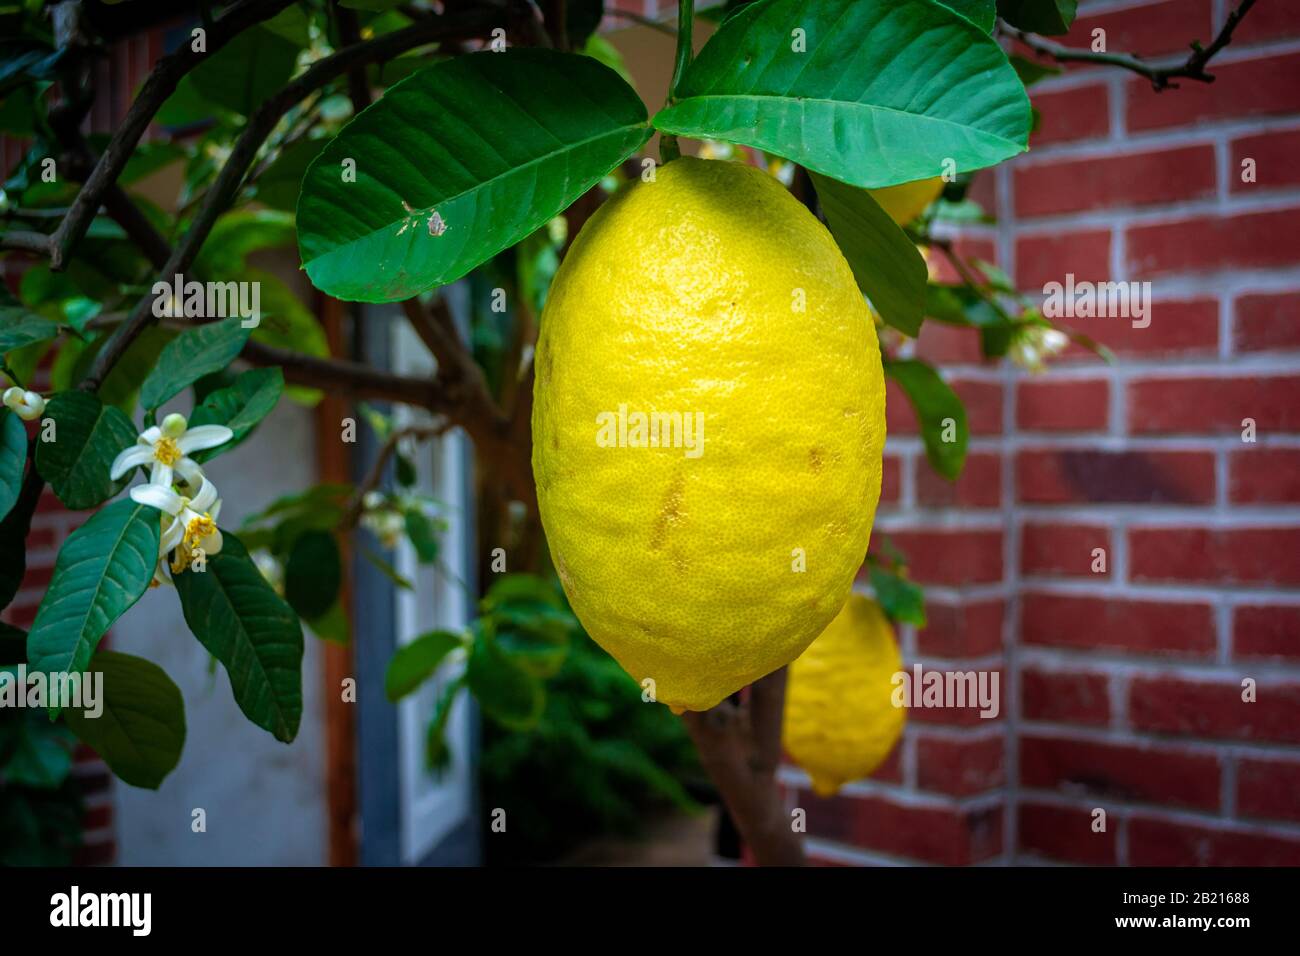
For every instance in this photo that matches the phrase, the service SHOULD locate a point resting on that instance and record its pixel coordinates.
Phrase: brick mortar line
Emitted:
(1121, 217)
(1204, 819)
(1140, 142)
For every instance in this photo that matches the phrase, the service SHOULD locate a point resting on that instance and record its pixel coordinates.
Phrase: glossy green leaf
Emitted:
(509, 695)
(247, 71)
(313, 573)
(20, 327)
(86, 437)
(1052, 17)
(141, 730)
(245, 625)
(191, 355)
(940, 412)
(42, 755)
(13, 541)
(982, 13)
(887, 265)
(902, 600)
(239, 407)
(13, 459)
(494, 144)
(416, 662)
(102, 569)
(886, 91)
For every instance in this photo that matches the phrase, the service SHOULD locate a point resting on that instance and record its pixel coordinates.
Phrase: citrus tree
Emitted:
(403, 147)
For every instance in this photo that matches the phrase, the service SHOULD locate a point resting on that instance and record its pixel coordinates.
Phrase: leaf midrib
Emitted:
(844, 103)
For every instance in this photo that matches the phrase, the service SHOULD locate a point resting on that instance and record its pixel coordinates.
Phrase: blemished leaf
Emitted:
(456, 163)
(191, 355)
(13, 459)
(509, 695)
(102, 569)
(887, 265)
(239, 406)
(938, 409)
(87, 436)
(247, 71)
(416, 662)
(1052, 17)
(885, 92)
(982, 13)
(902, 601)
(312, 573)
(141, 730)
(256, 636)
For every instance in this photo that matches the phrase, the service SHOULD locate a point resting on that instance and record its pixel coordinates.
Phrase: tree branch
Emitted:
(160, 85)
(740, 749)
(259, 127)
(1161, 77)
(376, 473)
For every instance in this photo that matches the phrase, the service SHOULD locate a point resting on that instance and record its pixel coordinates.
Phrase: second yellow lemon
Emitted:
(708, 422)
(906, 201)
(840, 718)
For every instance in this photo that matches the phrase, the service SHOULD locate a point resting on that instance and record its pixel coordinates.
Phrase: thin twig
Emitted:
(160, 85)
(376, 473)
(1161, 77)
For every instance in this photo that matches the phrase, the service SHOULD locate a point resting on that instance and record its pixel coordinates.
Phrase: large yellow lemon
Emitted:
(707, 429)
(840, 720)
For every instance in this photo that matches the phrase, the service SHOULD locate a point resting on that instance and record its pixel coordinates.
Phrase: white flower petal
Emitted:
(215, 510)
(203, 500)
(204, 436)
(212, 543)
(130, 458)
(171, 537)
(190, 471)
(160, 474)
(157, 496)
(150, 436)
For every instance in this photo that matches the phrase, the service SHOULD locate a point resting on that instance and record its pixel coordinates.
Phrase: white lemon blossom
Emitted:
(165, 449)
(187, 523)
(1035, 344)
(26, 405)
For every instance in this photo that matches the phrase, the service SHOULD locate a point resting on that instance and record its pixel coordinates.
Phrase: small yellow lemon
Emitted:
(840, 719)
(906, 201)
(708, 420)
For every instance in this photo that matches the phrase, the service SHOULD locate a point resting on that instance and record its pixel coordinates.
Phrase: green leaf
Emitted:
(20, 327)
(243, 623)
(279, 185)
(288, 324)
(13, 542)
(239, 233)
(436, 752)
(494, 143)
(416, 662)
(191, 355)
(142, 728)
(887, 265)
(313, 573)
(239, 407)
(421, 531)
(982, 13)
(939, 411)
(102, 569)
(1052, 17)
(1031, 71)
(886, 91)
(43, 755)
(247, 71)
(510, 696)
(333, 625)
(901, 600)
(87, 436)
(13, 459)
(386, 569)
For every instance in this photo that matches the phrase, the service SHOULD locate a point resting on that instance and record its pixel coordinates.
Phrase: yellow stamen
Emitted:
(179, 560)
(198, 529)
(167, 451)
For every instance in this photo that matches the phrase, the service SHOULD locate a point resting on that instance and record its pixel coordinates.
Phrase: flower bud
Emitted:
(173, 426)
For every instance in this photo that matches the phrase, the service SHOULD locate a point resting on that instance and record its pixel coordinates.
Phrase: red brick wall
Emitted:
(1122, 689)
